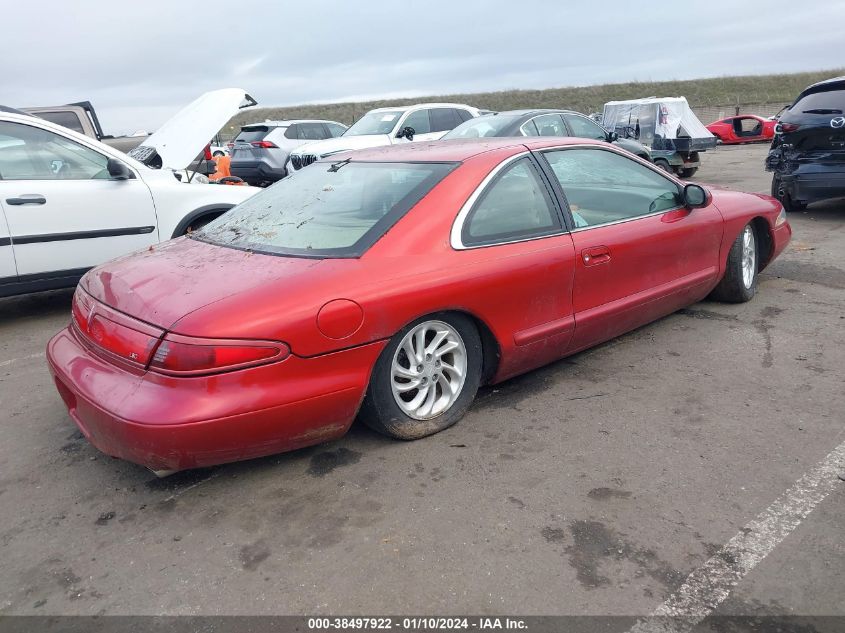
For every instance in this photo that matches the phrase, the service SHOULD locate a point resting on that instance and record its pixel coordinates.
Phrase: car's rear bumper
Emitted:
(815, 187)
(257, 171)
(167, 423)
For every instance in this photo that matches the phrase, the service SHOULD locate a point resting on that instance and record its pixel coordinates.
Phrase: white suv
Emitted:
(386, 126)
(69, 202)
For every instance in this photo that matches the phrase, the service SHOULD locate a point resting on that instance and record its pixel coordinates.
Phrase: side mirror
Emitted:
(406, 132)
(695, 196)
(118, 170)
(612, 136)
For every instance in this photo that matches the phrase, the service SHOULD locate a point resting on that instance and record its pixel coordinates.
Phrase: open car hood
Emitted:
(180, 140)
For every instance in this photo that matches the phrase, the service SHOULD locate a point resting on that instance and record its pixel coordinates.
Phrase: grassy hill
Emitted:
(718, 91)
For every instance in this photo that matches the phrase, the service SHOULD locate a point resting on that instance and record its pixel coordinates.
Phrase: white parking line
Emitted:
(707, 586)
(17, 360)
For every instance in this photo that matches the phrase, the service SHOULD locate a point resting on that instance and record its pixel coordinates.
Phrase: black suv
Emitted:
(808, 152)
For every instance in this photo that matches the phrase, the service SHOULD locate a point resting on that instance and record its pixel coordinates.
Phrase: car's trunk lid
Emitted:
(166, 283)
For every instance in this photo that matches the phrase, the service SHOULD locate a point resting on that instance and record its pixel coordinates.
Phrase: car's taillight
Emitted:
(786, 128)
(81, 309)
(117, 334)
(264, 144)
(187, 356)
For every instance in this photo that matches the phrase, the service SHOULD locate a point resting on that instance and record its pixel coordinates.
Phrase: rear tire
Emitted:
(688, 173)
(784, 198)
(426, 378)
(740, 281)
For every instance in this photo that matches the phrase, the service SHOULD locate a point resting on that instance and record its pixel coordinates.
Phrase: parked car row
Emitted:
(264, 153)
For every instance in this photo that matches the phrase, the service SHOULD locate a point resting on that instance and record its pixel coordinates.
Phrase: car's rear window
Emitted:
(827, 102)
(254, 133)
(326, 210)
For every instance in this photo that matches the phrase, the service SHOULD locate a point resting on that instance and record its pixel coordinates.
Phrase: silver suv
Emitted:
(260, 150)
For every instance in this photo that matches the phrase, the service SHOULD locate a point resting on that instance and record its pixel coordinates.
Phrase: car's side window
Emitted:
(335, 129)
(292, 131)
(463, 115)
(515, 206)
(31, 153)
(602, 186)
(550, 125)
(419, 121)
(311, 131)
(529, 129)
(582, 127)
(444, 119)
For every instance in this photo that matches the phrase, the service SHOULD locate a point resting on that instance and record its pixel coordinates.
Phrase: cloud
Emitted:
(140, 62)
(247, 66)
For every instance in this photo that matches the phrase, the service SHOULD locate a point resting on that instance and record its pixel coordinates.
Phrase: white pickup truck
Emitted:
(69, 202)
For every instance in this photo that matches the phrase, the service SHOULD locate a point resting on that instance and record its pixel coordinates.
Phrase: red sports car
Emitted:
(745, 128)
(389, 284)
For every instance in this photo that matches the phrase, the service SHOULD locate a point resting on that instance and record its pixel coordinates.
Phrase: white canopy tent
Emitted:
(655, 118)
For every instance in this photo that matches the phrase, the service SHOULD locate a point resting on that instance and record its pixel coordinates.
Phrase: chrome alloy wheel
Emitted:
(428, 370)
(749, 256)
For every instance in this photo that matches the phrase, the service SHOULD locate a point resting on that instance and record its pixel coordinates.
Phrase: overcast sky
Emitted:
(140, 61)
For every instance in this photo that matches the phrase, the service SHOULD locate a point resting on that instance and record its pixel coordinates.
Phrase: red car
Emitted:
(389, 284)
(745, 128)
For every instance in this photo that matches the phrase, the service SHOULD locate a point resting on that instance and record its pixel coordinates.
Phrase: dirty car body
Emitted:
(807, 157)
(265, 331)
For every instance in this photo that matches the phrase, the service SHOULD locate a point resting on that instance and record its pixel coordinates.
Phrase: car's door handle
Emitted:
(27, 198)
(595, 255)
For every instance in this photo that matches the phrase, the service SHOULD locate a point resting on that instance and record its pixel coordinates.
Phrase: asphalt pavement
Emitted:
(603, 484)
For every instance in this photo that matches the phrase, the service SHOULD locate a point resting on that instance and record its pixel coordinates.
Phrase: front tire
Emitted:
(663, 164)
(688, 172)
(425, 379)
(740, 281)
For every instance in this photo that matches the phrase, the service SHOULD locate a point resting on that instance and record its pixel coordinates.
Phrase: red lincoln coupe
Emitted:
(389, 284)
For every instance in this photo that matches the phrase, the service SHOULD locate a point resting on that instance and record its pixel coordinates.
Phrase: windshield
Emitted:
(491, 125)
(327, 210)
(380, 122)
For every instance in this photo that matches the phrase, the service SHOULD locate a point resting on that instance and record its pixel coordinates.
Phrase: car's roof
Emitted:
(535, 111)
(833, 83)
(457, 149)
(405, 108)
(286, 122)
